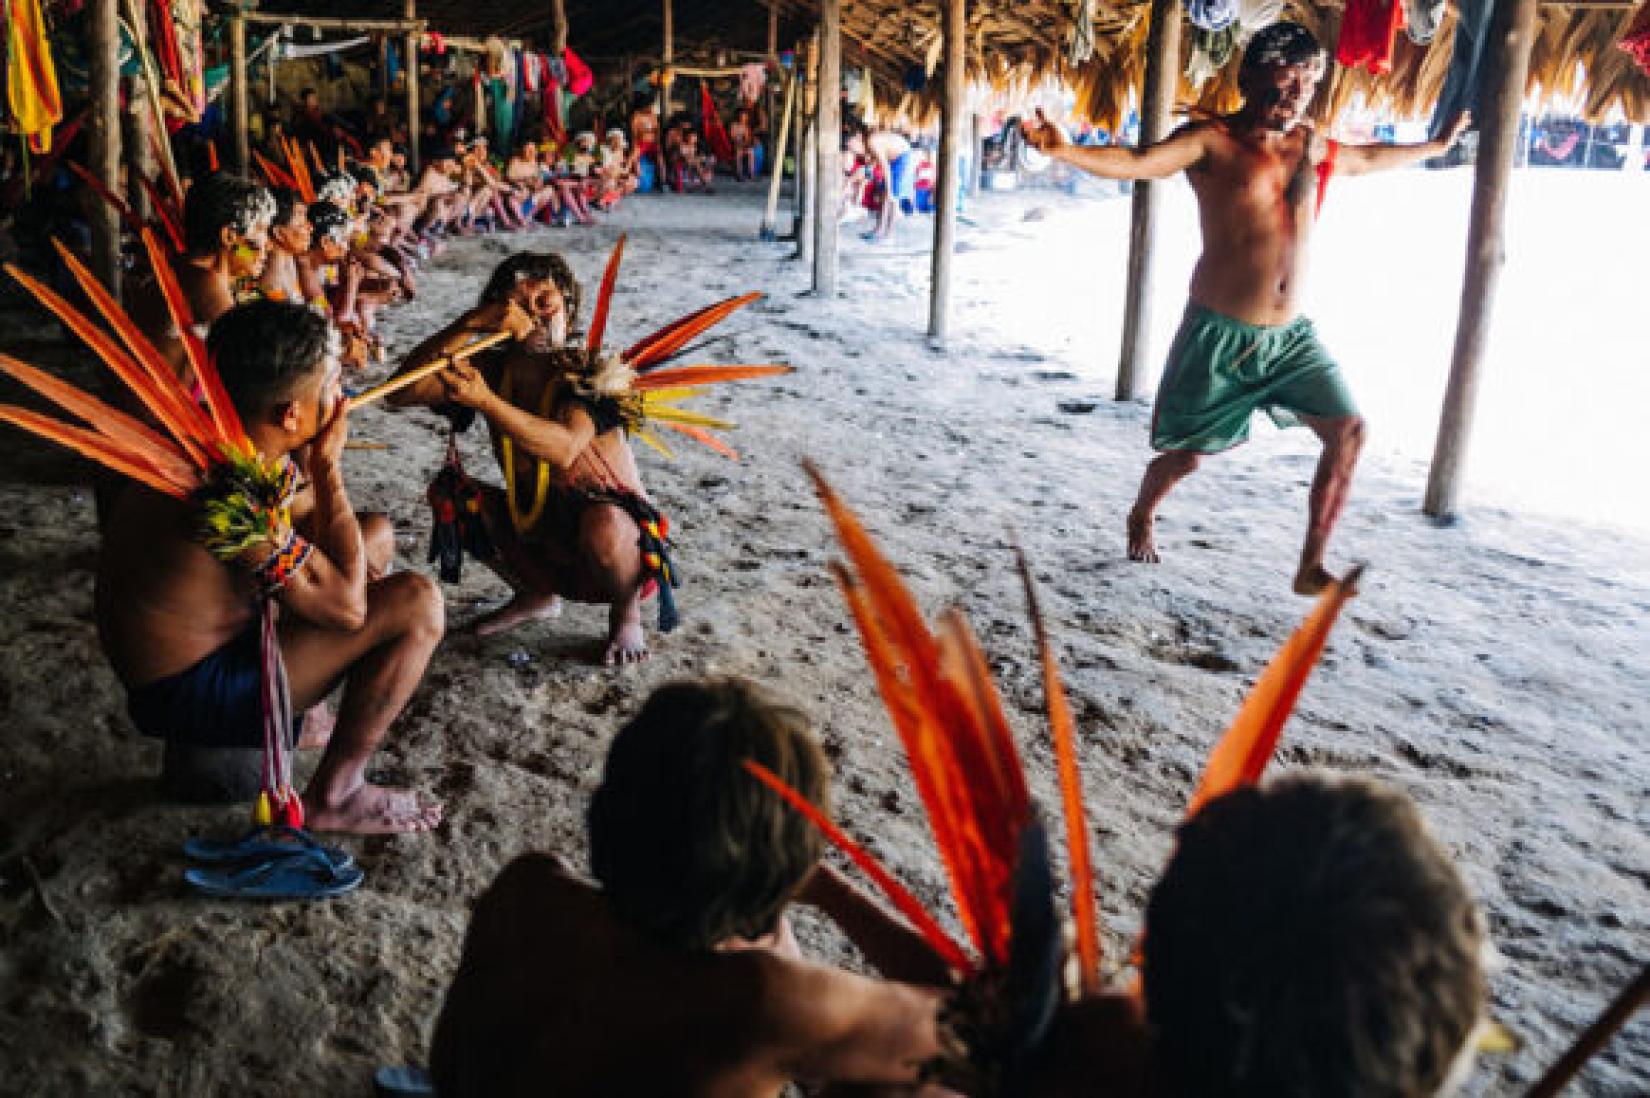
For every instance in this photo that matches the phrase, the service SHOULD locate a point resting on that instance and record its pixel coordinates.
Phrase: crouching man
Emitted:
(181, 629)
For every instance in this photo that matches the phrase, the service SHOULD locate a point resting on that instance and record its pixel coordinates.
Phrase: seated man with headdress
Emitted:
(226, 222)
(1307, 937)
(675, 970)
(182, 630)
(570, 518)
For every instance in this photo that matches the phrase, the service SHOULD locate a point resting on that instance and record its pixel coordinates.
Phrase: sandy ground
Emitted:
(1496, 671)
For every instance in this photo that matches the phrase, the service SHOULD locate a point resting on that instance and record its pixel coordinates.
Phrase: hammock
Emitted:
(716, 135)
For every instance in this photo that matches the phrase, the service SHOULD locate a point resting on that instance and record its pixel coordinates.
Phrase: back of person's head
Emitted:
(688, 846)
(219, 201)
(1309, 937)
(288, 204)
(536, 267)
(269, 353)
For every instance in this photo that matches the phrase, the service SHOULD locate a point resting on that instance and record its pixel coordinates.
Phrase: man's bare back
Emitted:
(581, 1004)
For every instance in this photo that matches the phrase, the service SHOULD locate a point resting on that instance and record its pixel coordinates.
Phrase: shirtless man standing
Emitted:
(181, 629)
(1243, 344)
(571, 528)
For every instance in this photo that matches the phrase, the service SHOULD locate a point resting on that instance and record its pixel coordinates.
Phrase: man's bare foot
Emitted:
(319, 721)
(1142, 539)
(626, 640)
(375, 810)
(1312, 579)
(522, 608)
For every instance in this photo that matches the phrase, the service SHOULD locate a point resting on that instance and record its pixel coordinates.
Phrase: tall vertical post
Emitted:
(667, 57)
(1512, 32)
(239, 93)
(104, 137)
(946, 193)
(558, 27)
(828, 149)
(806, 166)
(1156, 105)
(414, 122)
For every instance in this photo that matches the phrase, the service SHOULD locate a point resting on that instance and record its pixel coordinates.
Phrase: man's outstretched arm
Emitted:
(1363, 159)
(886, 940)
(1175, 153)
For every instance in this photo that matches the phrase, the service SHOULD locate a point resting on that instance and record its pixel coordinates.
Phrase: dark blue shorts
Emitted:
(215, 703)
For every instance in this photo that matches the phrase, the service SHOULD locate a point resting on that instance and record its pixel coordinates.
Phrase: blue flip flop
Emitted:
(306, 876)
(263, 844)
(403, 1082)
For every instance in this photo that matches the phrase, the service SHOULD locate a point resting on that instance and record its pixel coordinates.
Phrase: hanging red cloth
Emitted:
(716, 135)
(1367, 31)
(579, 77)
(1636, 40)
(31, 77)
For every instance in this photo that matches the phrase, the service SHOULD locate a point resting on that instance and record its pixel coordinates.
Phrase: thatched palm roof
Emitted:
(1016, 44)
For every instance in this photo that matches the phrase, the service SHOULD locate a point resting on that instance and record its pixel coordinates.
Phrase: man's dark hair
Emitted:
(1310, 938)
(1282, 43)
(266, 352)
(220, 201)
(688, 846)
(287, 204)
(329, 219)
(538, 266)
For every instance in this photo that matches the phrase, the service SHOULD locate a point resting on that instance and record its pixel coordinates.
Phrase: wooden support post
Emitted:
(239, 94)
(558, 27)
(828, 149)
(777, 154)
(806, 167)
(667, 57)
(1511, 34)
(949, 183)
(104, 136)
(1156, 105)
(385, 88)
(414, 122)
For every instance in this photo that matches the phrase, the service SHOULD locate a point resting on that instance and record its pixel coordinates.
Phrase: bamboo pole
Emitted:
(806, 167)
(778, 157)
(828, 149)
(239, 93)
(409, 25)
(414, 123)
(435, 366)
(151, 84)
(1156, 104)
(666, 76)
(104, 138)
(976, 153)
(1632, 999)
(949, 183)
(558, 28)
(1511, 34)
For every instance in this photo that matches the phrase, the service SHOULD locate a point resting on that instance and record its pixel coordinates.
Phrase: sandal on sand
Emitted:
(403, 1082)
(307, 876)
(263, 844)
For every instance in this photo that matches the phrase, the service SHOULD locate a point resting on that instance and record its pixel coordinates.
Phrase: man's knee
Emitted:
(610, 540)
(412, 606)
(1180, 462)
(1348, 435)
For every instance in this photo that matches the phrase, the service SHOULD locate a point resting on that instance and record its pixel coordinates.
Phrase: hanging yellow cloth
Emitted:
(31, 78)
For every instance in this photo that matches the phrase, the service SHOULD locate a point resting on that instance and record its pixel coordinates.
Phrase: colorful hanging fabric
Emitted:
(1464, 82)
(579, 77)
(1422, 18)
(1368, 29)
(1211, 15)
(752, 79)
(31, 76)
(1636, 40)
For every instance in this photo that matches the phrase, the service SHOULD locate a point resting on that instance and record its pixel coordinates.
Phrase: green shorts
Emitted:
(1221, 370)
